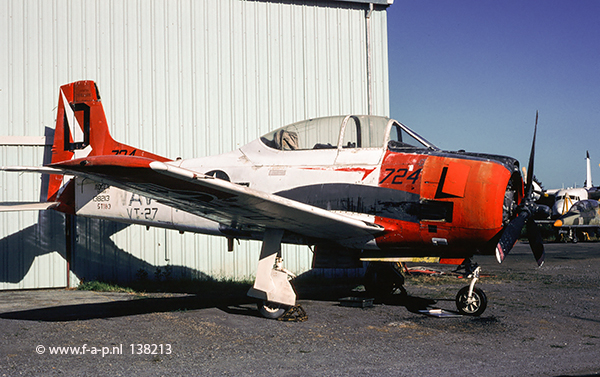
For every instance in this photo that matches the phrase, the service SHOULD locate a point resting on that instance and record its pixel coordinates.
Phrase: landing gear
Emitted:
(271, 310)
(471, 300)
(568, 235)
(272, 285)
(383, 278)
(474, 305)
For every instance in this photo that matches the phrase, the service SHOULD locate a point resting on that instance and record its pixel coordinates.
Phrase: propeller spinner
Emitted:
(524, 217)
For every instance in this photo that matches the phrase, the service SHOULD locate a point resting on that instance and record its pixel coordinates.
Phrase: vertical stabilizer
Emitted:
(588, 179)
(81, 131)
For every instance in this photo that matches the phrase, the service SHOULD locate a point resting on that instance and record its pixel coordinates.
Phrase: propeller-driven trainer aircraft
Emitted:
(366, 187)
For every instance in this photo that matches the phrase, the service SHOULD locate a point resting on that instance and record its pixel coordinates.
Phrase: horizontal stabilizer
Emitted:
(31, 169)
(27, 206)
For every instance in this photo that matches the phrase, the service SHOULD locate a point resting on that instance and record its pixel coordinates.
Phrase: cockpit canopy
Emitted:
(352, 131)
(584, 206)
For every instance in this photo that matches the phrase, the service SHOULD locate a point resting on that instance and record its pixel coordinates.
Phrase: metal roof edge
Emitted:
(378, 2)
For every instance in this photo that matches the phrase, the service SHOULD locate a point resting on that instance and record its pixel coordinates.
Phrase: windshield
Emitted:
(353, 131)
(402, 138)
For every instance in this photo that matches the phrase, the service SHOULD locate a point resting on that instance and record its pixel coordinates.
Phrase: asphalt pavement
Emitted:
(539, 322)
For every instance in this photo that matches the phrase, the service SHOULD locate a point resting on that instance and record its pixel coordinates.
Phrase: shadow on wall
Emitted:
(19, 251)
(95, 256)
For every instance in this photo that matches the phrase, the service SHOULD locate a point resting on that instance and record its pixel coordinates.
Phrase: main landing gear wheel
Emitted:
(271, 310)
(473, 306)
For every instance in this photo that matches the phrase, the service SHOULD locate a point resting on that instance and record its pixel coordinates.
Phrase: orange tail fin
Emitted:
(81, 131)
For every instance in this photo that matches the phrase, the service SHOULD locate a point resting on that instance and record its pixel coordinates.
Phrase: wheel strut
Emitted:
(471, 300)
(272, 286)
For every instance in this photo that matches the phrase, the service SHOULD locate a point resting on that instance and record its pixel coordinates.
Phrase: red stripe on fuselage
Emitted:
(366, 171)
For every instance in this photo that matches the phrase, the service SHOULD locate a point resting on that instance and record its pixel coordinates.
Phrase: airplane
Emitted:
(565, 198)
(365, 187)
(583, 217)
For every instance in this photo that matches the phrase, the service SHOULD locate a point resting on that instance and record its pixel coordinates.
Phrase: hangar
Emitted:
(182, 78)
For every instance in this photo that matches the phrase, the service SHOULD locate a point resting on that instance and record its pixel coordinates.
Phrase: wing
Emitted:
(230, 204)
(27, 206)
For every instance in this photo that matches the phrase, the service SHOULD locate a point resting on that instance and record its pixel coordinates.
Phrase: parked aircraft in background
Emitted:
(565, 198)
(365, 187)
(582, 219)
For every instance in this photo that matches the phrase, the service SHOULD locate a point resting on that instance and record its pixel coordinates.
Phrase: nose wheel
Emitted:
(474, 305)
(471, 300)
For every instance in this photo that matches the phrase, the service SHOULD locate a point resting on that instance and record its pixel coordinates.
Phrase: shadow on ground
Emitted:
(228, 297)
(127, 306)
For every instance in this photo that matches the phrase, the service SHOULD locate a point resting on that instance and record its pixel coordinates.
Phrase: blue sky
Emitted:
(470, 74)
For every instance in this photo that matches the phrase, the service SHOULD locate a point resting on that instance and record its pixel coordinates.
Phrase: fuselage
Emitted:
(427, 201)
(565, 198)
(424, 197)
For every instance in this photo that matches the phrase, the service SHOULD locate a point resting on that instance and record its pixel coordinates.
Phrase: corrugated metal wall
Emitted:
(182, 78)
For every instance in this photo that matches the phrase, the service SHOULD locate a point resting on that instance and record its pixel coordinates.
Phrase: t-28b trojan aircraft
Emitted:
(364, 187)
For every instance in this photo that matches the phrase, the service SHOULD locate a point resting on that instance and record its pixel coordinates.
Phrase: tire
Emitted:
(271, 310)
(474, 308)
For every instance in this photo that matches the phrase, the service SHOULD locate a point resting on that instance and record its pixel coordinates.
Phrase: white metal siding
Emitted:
(182, 78)
(32, 252)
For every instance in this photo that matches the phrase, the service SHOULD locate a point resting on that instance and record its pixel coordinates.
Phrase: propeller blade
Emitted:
(525, 217)
(535, 241)
(529, 181)
(510, 235)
